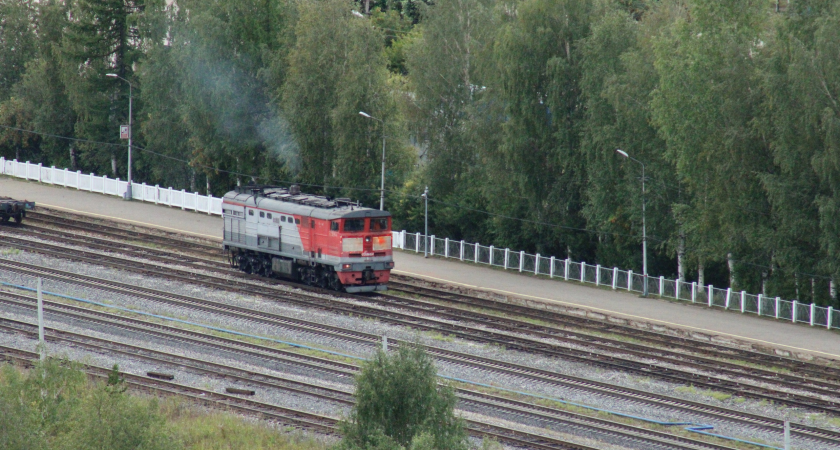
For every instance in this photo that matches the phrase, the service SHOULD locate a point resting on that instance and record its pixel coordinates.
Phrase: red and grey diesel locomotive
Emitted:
(331, 243)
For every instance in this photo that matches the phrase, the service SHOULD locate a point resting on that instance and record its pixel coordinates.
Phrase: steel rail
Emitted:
(298, 418)
(538, 413)
(567, 320)
(601, 388)
(812, 370)
(506, 340)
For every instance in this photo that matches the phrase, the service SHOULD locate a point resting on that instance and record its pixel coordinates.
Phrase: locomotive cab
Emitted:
(366, 255)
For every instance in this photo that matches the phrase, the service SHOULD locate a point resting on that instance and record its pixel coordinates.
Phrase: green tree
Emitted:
(42, 91)
(801, 88)
(109, 419)
(444, 64)
(14, 141)
(17, 41)
(447, 59)
(536, 173)
(704, 108)
(102, 37)
(335, 70)
(399, 404)
(37, 405)
(209, 73)
(617, 81)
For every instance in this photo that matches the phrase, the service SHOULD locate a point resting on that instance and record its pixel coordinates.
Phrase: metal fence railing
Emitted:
(108, 186)
(617, 279)
(505, 258)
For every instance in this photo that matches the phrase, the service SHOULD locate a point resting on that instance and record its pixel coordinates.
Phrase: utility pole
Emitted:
(41, 345)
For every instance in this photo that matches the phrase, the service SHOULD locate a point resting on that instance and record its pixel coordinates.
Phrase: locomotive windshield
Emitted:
(354, 225)
(379, 224)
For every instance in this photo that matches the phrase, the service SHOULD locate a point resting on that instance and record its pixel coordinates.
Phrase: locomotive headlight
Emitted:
(351, 245)
(382, 243)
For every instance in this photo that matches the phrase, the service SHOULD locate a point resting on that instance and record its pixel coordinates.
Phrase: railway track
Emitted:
(465, 305)
(130, 232)
(547, 416)
(411, 288)
(820, 396)
(459, 307)
(324, 423)
(158, 387)
(343, 369)
(453, 302)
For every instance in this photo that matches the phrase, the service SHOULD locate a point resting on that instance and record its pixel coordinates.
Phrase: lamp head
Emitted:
(111, 75)
(364, 114)
(622, 153)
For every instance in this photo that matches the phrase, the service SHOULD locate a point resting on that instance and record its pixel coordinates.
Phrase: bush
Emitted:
(53, 407)
(37, 406)
(399, 404)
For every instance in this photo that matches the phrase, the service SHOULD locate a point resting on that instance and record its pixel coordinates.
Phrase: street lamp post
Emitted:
(382, 188)
(644, 233)
(426, 238)
(130, 131)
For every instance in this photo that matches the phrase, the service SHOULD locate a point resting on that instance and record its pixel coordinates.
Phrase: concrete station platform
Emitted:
(670, 316)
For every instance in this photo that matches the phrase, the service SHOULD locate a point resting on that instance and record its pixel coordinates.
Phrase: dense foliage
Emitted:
(399, 405)
(509, 110)
(54, 406)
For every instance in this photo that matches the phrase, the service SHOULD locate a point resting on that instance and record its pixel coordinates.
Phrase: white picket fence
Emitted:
(616, 279)
(102, 184)
(520, 261)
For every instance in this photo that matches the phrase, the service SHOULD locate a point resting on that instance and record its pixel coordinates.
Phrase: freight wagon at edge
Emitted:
(14, 209)
(331, 243)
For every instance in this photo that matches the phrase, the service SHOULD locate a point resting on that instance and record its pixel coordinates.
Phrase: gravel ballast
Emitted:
(377, 328)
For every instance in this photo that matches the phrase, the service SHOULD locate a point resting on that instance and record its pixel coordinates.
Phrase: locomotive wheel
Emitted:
(18, 218)
(335, 282)
(304, 276)
(5, 218)
(323, 279)
(245, 264)
(266, 268)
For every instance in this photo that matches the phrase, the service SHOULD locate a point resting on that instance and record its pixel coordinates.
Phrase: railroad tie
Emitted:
(160, 376)
(238, 391)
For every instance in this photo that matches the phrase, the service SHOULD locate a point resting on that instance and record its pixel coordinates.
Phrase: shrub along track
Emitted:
(158, 387)
(509, 407)
(323, 365)
(821, 395)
